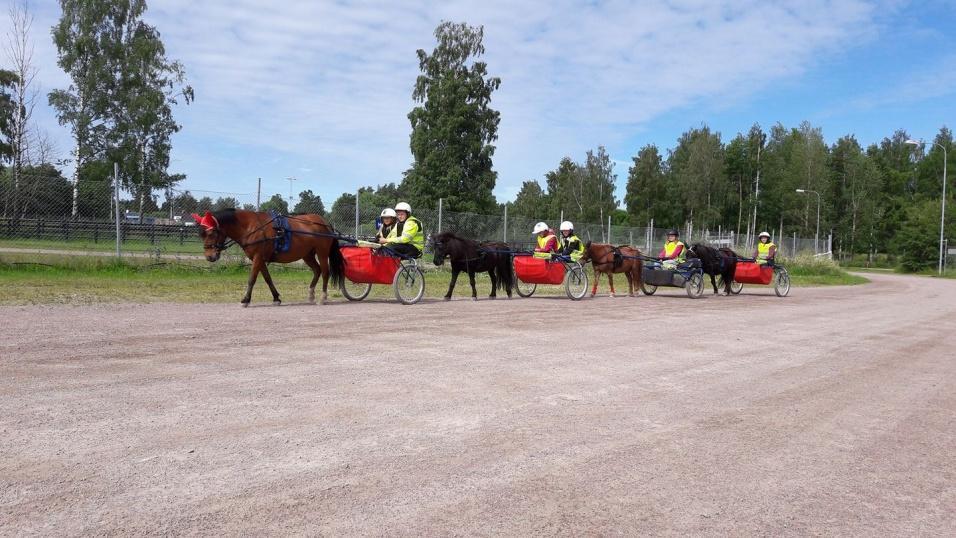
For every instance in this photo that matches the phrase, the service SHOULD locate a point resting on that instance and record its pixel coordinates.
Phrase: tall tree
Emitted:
(857, 184)
(531, 201)
(309, 203)
(277, 203)
(82, 38)
(149, 85)
(646, 186)
(697, 165)
(454, 127)
(23, 94)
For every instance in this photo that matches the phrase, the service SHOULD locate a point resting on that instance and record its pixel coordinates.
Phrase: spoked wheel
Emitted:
(354, 291)
(576, 283)
(648, 289)
(735, 286)
(695, 286)
(409, 284)
(781, 284)
(523, 289)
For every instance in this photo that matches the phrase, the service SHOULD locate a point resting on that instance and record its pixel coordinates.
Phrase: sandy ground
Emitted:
(831, 412)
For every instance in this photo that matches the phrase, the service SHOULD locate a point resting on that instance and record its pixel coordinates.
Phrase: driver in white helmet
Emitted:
(766, 251)
(408, 235)
(571, 245)
(547, 243)
(388, 222)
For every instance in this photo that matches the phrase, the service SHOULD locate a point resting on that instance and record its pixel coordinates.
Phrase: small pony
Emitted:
(610, 259)
(302, 237)
(473, 257)
(715, 262)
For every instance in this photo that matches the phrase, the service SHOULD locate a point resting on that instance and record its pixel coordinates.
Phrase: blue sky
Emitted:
(320, 90)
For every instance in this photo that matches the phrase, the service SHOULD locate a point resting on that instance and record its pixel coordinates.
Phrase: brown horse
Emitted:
(310, 240)
(610, 259)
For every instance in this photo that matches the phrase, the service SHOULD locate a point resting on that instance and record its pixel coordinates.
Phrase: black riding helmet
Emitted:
(673, 232)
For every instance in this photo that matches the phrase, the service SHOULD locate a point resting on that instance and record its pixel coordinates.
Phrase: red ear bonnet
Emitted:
(207, 221)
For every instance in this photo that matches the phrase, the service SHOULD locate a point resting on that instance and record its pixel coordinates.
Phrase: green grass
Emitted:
(810, 271)
(55, 279)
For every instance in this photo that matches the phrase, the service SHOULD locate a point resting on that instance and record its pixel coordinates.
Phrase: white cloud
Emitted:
(327, 85)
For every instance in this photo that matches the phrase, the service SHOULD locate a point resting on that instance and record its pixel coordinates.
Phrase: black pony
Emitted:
(473, 257)
(715, 262)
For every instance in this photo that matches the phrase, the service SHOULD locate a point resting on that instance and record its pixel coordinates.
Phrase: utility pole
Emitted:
(116, 194)
(259, 194)
(291, 179)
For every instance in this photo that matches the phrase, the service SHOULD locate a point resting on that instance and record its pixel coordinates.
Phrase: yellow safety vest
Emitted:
(577, 253)
(671, 246)
(412, 233)
(543, 242)
(763, 250)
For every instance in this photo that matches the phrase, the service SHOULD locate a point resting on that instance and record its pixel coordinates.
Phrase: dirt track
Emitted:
(830, 412)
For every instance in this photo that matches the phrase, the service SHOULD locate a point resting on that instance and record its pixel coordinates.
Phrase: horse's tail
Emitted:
(506, 280)
(336, 264)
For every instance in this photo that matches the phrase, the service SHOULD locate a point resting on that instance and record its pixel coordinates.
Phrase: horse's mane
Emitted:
(225, 216)
(445, 236)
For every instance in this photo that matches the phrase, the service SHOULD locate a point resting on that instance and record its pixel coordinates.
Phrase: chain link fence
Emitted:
(43, 212)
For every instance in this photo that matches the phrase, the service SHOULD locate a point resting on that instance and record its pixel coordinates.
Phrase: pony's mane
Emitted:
(225, 216)
(444, 236)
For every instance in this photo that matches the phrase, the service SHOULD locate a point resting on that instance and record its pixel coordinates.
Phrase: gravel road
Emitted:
(829, 412)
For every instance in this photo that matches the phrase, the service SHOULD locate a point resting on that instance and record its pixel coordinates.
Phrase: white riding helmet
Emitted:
(402, 206)
(539, 227)
(388, 212)
(763, 234)
(567, 226)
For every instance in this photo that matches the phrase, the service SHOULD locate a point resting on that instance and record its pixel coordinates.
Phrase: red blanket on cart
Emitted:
(752, 273)
(364, 266)
(538, 271)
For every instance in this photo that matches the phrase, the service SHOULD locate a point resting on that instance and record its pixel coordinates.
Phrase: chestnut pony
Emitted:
(311, 240)
(610, 259)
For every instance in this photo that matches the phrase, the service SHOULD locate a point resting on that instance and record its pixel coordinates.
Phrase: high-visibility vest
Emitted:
(543, 241)
(763, 250)
(578, 252)
(671, 246)
(411, 231)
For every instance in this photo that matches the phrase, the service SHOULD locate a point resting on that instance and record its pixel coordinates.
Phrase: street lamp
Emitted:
(942, 215)
(291, 179)
(816, 238)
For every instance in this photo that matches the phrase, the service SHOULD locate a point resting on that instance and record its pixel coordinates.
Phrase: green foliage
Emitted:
(309, 203)
(531, 201)
(454, 127)
(917, 241)
(697, 169)
(583, 192)
(646, 187)
(276, 203)
(7, 108)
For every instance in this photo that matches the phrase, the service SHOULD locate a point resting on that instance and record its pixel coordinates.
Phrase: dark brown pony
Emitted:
(255, 232)
(473, 257)
(610, 259)
(722, 262)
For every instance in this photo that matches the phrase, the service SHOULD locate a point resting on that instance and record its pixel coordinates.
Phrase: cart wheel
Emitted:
(354, 291)
(576, 283)
(735, 286)
(648, 289)
(782, 285)
(522, 288)
(695, 286)
(409, 284)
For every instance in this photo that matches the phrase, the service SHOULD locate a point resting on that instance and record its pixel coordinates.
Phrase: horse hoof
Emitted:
(474, 298)
(448, 298)
(492, 297)
(244, 305)
(276, 303)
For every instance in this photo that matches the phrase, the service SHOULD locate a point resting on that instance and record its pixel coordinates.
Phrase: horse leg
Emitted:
(313, 264)
(630, 284)
(610, 282)
(275, 293)
(713, 282)
(253, 275)
(324, 265)
(471, 280)
(451, 285)
(494, 283)
(597, 277)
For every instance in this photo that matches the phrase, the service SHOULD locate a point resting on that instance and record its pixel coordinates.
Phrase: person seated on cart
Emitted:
(571, 245)
(766, 251)
(674, 252)
(547, 243)
(407, 237)
(388, 222)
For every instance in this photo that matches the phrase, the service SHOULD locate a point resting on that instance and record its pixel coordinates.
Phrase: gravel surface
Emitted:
(829, 412)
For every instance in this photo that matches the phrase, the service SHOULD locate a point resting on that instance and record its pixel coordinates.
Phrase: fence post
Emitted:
(116, 193)
(609, 228)
(356, 213)
(505, 239)
(630, 237)
(794, 253)
(259, 194)
(439, 214)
